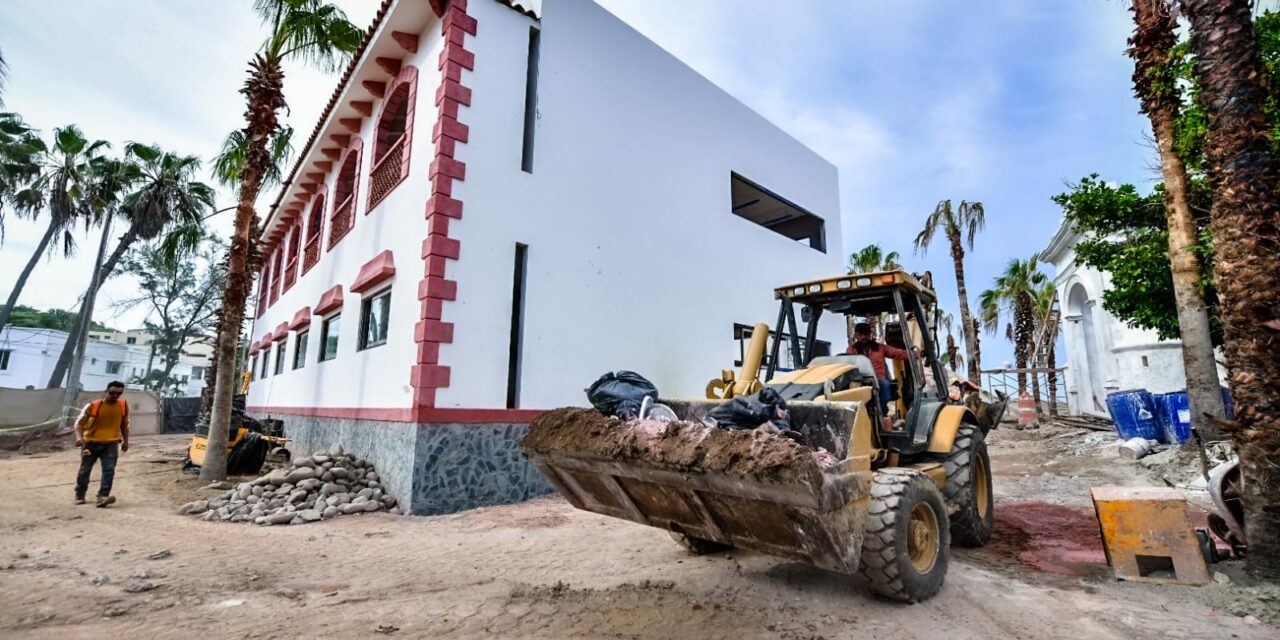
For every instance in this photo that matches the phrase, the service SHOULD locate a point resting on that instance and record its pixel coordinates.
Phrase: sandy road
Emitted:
(539, 569)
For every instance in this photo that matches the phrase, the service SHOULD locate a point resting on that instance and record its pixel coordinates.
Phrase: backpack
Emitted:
(96, 404)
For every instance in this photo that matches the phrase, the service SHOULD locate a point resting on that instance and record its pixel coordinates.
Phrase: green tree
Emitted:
(180, 294)
(959, 225)
(866, 260)
(20, 153)
(313, 31)
(61, 186)
(1013, 295)
(1048, 318)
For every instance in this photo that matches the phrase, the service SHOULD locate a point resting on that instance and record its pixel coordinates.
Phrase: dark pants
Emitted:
(92, 452)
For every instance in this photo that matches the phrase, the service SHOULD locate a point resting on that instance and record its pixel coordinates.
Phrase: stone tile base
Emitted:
(433, 468)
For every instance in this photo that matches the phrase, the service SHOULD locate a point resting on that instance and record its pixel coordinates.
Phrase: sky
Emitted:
(1004, 102)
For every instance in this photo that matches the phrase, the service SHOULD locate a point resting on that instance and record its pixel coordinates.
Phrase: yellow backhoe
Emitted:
(853, 488)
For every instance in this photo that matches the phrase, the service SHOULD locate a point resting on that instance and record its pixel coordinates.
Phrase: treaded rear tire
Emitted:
(971, 519)
(698, 546)
(886, 560)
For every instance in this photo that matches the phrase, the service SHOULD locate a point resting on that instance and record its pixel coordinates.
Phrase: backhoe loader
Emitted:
(852, 488)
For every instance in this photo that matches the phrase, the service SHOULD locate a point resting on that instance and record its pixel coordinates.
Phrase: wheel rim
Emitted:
(922, 538)
(981, 488)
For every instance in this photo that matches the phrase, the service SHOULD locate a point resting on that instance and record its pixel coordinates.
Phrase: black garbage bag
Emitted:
(247, 456)
(749, 412)
(620, 394)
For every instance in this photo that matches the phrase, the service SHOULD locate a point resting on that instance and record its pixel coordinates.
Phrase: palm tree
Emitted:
(20, 152)
(62, 184)
(1013, 293)
(156, 192)
(962, 222)
(1157, 90)
(951, 357)
(867, 259)
(4, 76)
(1048, 324)
(1245, 219)
(312, 31)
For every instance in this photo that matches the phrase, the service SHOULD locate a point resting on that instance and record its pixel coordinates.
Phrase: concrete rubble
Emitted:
(314, 488)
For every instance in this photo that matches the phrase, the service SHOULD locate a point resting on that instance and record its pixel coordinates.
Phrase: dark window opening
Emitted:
(113, 367)
(280, 356)
(4, 359)
(300, 350)
(266, 362)
(345, 185)
(773, 212)
(1144, 362)
(530, 100)
(253, 365)
(316, 220)
(394, 122)
(329, 337)
(517, 325)
(742, 334)
(374, 313)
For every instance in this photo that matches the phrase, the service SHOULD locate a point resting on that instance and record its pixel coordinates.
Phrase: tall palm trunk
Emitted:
(264, 94)
(1149, 48)
(83, 321)
(86, 311)
(953, 351)
(1051, 361)
(968, 327)
(26, 273)
(1022, 329)
(1246, 227)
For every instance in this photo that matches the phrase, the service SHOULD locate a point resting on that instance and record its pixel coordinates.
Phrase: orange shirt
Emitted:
(108, 426)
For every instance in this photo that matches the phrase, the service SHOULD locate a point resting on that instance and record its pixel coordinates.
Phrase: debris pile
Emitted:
(319, 487)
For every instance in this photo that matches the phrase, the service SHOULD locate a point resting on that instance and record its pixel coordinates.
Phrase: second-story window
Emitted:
(392, 138)
(315, 224)
(344, 197)
(291, 264)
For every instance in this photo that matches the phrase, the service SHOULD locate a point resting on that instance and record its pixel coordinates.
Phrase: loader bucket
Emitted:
(748, 489)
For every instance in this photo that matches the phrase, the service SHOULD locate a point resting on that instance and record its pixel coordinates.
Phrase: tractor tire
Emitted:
(968, 488)
(698, 546)
(907, 539)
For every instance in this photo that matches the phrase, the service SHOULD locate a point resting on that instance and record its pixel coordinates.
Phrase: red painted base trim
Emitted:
(440, 415)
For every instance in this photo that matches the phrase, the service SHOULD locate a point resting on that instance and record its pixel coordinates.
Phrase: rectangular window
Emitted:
(329, 337)
(300, 350)
(775, 213)
(253, 364)
(517, 326)
(4, 359)
(197, 372)
(530, 100)
(131, 341)
(374, 312)
(280, 356)
(266, 362)
(113, 367)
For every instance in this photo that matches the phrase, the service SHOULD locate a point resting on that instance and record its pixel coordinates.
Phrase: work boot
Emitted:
(105, 500)
(79, 499)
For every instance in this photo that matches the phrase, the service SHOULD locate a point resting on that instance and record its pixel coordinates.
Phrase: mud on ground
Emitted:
(544, 570)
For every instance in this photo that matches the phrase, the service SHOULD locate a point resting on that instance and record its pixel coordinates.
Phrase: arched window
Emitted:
(392, 140)
(344, 196)
(315, 222)
(291, 263)
(276, 272)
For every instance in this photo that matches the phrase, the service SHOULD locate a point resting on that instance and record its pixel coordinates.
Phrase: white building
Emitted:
(1103, 353)
(28, 357)
(501, 202)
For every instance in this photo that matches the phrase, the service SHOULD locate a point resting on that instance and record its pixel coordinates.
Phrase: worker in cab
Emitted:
(864, 345)
(102, 432)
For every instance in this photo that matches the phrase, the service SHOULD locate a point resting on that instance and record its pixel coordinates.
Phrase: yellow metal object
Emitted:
(933, 470)
(729, 385)
(860, 394)
(825, 287)
(922, 538)
(948, 423)
(1148, 536)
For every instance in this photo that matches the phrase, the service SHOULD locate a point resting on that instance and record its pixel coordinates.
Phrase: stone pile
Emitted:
(318, 487)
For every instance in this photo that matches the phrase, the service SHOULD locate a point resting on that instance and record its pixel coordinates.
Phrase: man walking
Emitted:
(103, 426)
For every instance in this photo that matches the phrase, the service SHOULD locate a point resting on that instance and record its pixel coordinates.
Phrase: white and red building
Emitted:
(502, 201)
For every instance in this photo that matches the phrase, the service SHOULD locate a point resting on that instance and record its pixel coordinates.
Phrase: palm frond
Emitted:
(925, 237)
(972, 218)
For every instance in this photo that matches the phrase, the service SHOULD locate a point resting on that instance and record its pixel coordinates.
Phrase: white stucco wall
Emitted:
(635, 259)
(377, 377)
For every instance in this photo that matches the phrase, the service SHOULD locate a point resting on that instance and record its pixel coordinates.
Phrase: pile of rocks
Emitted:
(315, 488)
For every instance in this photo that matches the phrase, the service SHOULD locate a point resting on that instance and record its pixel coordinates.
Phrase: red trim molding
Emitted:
(438, 249)
(301, 319)
(443, 415)
(374, 272)
(329, 300)
(281, 331)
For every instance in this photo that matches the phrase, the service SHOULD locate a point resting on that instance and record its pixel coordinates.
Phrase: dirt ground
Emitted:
(542, 569)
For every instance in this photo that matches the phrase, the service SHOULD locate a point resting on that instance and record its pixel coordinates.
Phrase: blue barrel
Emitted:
(1174, 412)
(1134, 412)
(1226, 402)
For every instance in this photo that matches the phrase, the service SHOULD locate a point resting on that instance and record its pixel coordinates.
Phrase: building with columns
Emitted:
(1104, 355)
(502, 200)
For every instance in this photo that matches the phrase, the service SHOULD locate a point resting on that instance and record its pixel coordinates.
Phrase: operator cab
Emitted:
(904, 306)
